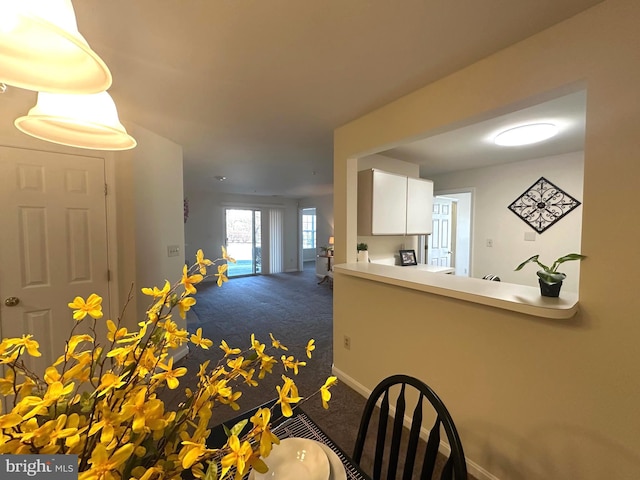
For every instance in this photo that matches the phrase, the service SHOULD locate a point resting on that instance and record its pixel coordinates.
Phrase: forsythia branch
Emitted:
(103, 404)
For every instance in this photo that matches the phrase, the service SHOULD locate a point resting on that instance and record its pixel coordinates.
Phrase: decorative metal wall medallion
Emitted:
(543, 204)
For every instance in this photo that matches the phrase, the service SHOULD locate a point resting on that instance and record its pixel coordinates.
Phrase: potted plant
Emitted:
(363, 252)
(550, 279)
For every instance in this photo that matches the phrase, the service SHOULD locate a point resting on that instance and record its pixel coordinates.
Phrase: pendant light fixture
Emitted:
(83, 121)
(42, 50)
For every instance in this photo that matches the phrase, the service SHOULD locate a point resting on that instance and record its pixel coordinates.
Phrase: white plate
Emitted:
(335, 464)
(295, 459)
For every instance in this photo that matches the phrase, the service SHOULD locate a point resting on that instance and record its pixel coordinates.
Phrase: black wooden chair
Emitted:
(455, 465)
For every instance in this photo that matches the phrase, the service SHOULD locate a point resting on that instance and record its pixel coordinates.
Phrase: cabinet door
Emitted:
(389, 204)
(419, 206)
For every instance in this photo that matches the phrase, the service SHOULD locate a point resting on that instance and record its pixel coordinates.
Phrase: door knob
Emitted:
(11, 301)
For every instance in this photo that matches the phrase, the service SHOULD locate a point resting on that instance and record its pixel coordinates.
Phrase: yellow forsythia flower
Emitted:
(276, 343)
(202, 262)
(324, 391)
(201, 342)
(310, 347)
(227, 257)
(92, 307)
(190, 280)
(221, 274)
(287, 394)
(100, 398)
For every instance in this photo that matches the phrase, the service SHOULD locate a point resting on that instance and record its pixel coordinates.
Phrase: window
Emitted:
(308, 230)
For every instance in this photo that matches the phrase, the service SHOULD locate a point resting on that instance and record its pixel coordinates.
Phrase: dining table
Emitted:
(299, 425)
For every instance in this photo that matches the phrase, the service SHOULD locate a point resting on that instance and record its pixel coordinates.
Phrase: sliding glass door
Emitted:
(243, 241)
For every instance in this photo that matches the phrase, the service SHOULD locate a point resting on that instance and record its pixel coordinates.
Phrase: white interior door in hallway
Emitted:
(440, 245)
(54, 243)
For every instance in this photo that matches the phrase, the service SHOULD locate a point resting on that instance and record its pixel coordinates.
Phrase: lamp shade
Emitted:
(42, 50)
(84, 121)
(331, 240)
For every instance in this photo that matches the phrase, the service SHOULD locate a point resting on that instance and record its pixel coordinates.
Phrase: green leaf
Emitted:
(531, 259)
(566, 258)
(86, 402)
(554, 267)
(238, 427)
(212, 472)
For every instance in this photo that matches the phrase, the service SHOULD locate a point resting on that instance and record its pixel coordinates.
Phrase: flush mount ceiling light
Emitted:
(42, 50)
(526, 134)
(220, 178)
(83, 121)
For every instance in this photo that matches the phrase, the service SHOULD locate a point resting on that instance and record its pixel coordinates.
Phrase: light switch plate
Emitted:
(173, 251)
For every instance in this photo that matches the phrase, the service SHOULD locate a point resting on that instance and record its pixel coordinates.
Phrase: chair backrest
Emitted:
(455, 466)
(494, 278)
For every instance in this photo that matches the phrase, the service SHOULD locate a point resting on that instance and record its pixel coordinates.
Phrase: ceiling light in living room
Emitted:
(83, 121)
(526, 134)
(42, 50)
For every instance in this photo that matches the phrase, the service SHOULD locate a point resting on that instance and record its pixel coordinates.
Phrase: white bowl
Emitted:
(295, 459)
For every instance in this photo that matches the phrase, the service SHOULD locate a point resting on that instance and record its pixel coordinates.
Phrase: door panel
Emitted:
(53, 243)
(440, 248)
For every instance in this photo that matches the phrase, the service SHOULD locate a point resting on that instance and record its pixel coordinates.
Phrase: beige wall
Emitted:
(494, 188)
(533, 399)
(324, 226)
(205, 228)
(149, 195)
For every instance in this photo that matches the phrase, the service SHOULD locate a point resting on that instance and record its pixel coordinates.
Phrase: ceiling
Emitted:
(473, 146)
(253, 89)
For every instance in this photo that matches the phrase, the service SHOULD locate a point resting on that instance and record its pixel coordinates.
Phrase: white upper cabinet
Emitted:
(382, 203)
(393, 204)
(419, 206)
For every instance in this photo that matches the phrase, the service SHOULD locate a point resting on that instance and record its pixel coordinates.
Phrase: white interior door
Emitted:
(53, 243)
(440, 246)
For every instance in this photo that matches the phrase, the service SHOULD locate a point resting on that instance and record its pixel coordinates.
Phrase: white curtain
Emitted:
(276, 243)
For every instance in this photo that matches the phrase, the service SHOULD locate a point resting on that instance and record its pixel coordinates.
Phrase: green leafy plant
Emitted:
(550, 274)
(362, 246)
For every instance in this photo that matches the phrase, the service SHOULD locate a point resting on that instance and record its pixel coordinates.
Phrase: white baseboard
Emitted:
(351, 382)
(179, 353)
(473, 468)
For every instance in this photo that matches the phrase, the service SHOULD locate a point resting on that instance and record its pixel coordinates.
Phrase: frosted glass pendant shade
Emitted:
(42, 50)
(84, 121)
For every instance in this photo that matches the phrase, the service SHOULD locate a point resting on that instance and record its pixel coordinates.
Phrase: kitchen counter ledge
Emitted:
(508, 296)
